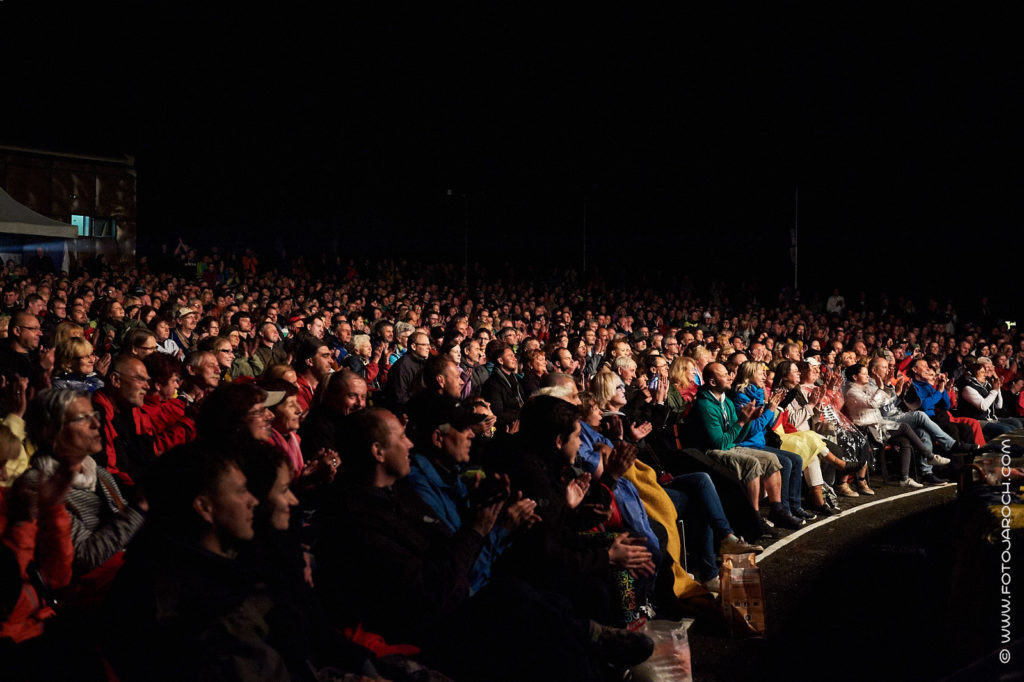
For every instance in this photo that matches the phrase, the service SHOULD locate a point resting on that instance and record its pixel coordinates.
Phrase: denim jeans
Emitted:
(929, 433)
(997, 427)
(697, 503)
(792, 477)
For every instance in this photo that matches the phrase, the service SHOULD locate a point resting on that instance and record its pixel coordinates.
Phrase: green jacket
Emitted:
(710, 431)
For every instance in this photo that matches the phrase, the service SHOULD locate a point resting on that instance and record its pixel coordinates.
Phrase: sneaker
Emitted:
(845, 490)
(910, 483)
(932, 479)
(805, 514)
(767, 529)
(938, 460)
(964, 448)
(713, 585)
(737, 546)
(863, 488)
(826, 510)
(783, 519)
(621, 647)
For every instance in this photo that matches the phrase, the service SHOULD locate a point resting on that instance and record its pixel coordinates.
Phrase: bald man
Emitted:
(128, 451)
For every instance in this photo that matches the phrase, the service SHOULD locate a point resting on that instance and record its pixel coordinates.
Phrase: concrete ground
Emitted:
(901, 586)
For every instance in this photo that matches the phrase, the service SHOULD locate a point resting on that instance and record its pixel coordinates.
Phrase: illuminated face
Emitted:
(287, 415)
(473, 353)
(258, 420)
(353, 397)
(539, 365)
(455, 443)
(84, 364)
(208, 372)
(453, 383)
(79, 435)
(721, 377)
(281, 499)
(225, 354)
(29, 333)
(419, 345)
(321, 362)
(507, 361)
(394, 452)
(170, 389)
(455, 354)
(570, 447)
(131, 383)
(566, 363)
(230, 509)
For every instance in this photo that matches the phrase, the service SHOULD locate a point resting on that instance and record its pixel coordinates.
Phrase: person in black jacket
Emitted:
(183, 607)
(341, 394)
(552, 555)
(404, 373)
(474, 368)
(390, 564)
(502, 389)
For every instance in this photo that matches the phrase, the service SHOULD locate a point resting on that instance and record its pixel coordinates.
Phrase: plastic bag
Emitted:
(670, 661)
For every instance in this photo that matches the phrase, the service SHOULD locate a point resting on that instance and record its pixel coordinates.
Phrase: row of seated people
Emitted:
(686, 440)
(172, 561)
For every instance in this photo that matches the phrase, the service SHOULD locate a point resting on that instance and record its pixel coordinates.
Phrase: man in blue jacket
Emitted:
(445, 437)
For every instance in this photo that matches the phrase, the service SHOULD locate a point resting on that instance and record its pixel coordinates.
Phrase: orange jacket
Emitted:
(47, 542)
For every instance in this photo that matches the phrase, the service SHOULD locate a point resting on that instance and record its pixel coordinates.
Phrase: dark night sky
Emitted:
(901, 127)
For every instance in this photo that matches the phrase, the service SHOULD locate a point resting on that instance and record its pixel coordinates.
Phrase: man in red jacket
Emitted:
(128, 449)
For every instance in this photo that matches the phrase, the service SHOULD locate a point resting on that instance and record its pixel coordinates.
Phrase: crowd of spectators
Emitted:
(211, 468)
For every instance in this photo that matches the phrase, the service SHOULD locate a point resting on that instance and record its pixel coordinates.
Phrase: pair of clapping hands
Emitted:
(493, 504)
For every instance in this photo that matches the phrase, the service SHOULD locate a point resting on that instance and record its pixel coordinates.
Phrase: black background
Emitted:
(681, 133)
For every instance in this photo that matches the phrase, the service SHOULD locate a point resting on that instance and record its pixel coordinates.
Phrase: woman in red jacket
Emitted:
(35, 547)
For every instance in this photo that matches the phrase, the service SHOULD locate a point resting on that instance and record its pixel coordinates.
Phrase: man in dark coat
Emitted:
(411, 583)
(404, 373)
(502, 389)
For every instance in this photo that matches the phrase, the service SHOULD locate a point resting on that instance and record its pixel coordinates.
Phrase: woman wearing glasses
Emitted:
(220, 348)
(74, 365)
(66, 428)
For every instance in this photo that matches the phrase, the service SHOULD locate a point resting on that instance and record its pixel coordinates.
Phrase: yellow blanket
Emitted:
(807, 444)
(660, 508)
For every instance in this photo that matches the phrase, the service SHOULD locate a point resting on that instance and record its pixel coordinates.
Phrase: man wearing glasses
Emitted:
(20, 355)
(128, 451)
(403, 373)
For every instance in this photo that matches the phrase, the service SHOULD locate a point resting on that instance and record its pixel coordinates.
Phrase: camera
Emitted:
(489, 491)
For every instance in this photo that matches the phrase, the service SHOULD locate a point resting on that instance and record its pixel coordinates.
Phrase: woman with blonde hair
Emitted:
(689, 496)
(66, 330)
(682, 389)
(75, 366)
(701, 356)
(749, 387)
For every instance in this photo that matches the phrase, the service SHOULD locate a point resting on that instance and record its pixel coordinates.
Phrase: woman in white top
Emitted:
(981, 396)
(863, 402)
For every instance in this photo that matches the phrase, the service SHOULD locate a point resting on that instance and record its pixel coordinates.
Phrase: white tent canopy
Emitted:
(18, 219)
